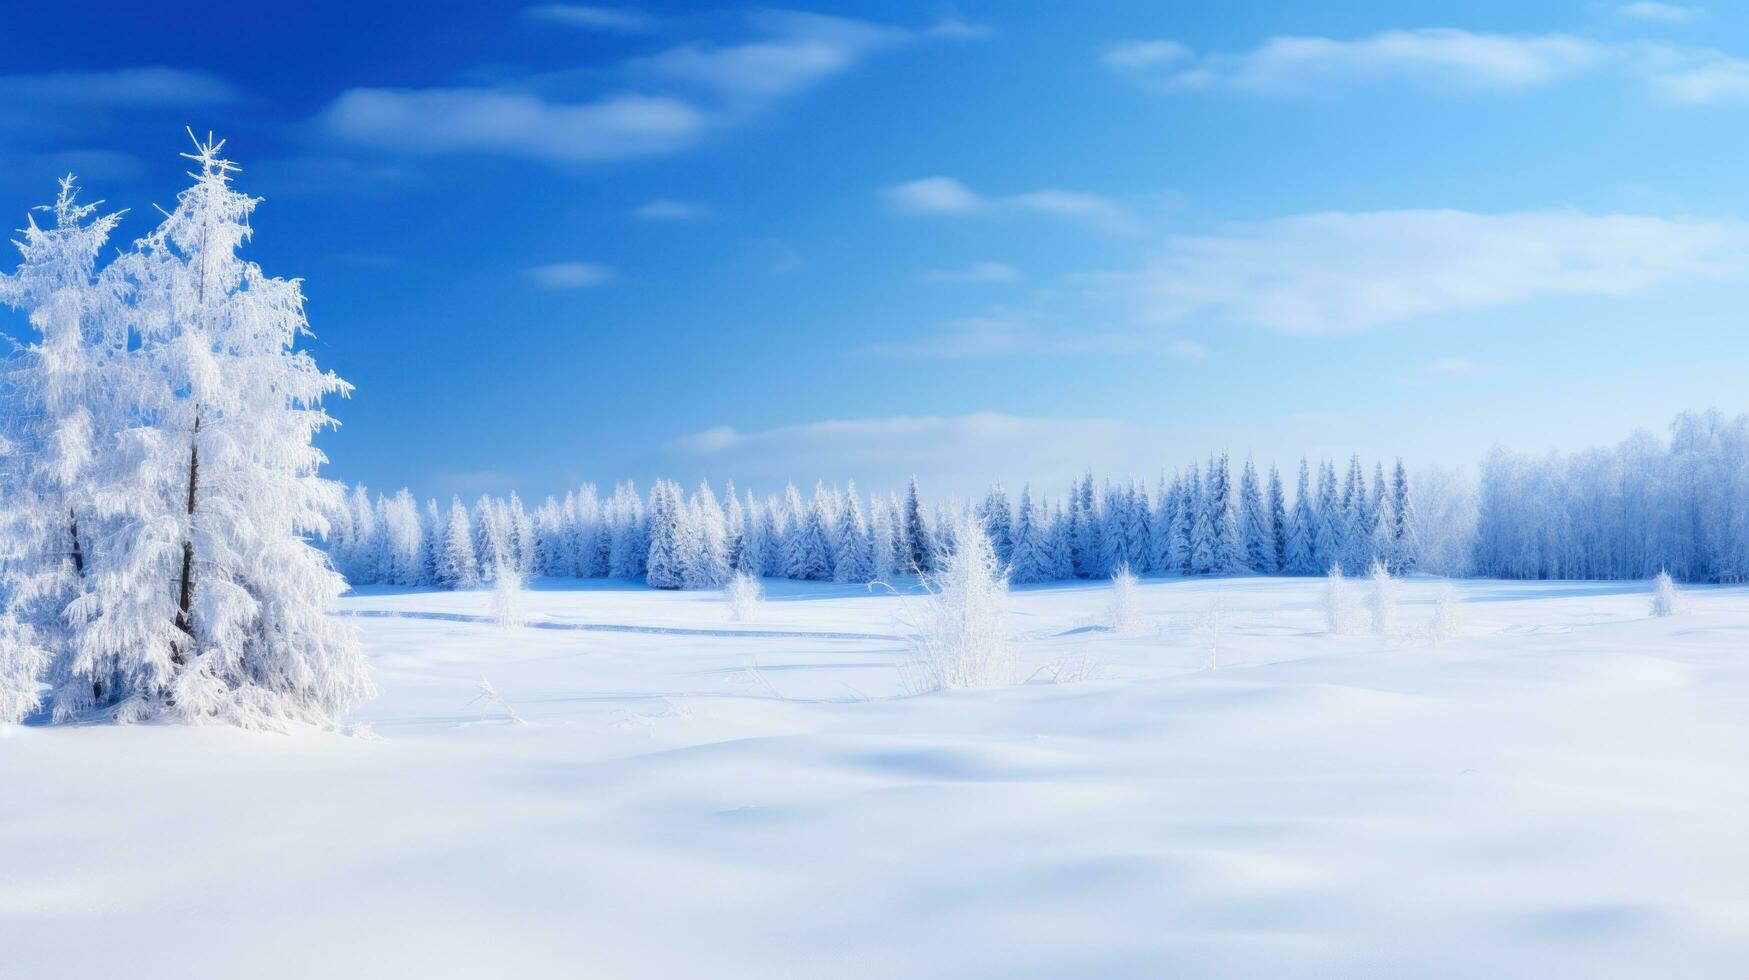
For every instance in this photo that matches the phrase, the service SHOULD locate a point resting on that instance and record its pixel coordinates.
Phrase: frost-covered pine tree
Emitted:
(1299, 550)
(920, 544)
(1184, 520)
(1030, 560)
(1328, 538)
(1160, 528)
(58, 416)
(998, 518)
(431, 542)
(755, 540)
(708, 557)
(777, 531)
(1405, 535)
(810, 547)
(1062, 538)
(664, 566)
(1256, 532)
(490, 541)
(1277, 509)
(519, 536)
(368, 559)
(1114, 531)
(1088, 523)
(400, 519)
(457, 566)
(880, 534)
(1355, 537)
(210, 591)
(853, 558)
(734, 525)
(628, 541)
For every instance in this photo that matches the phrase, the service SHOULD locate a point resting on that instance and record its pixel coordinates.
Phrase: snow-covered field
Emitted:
(1233, 792)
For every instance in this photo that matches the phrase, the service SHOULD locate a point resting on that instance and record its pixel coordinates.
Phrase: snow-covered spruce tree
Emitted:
(457, 566)
(209, 593)
(367, 560)
(998, 518)
(920, 545)
(853, 558)
(400, 520)
(58, 416)
(489, 538)
(1223, 509)
(810, 552)
(1299, 549)
(1087, 523)
(1356, 528)
(880, 539)
(664, 566)
(1062, 538)
(1160, 528)
(431, 542)
(776, 524)
(1405, 535)
(959, 633)
(519, 532)
(755, 539)
(734, 526)
(1328, 537)
(1255, 531)
(1114, 532)
(1277, 509)
(706, 554)
(1031, 561)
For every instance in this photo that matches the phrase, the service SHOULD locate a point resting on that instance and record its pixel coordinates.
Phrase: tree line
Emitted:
(1198, 522)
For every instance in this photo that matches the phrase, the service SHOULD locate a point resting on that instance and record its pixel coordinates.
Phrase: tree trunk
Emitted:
(185, 590)
(78, 552)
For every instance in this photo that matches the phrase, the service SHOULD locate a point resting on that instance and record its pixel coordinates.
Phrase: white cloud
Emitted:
(121, 88)
(934, 195)
(976, 272)
(802, 50)
(952, 453)
(540, 117)
(946, 195)
(953, 28)
(1024, 333)
(1443, 59)
(668, 209)
(1663, 13)
(480, 120)
(1340, 272)
(621, 20)
(569, 275)
(1139, 55)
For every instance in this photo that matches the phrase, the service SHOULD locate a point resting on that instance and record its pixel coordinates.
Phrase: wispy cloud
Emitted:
(799, 51)
(668, 209)
(1027, 333)
(1340, 272)
(569, 275)
(1441, 59)
(1662, 13)
(620, 20)
(948, 196)
(659, 104)
(885, 450)
(975, 273)
(153, 87)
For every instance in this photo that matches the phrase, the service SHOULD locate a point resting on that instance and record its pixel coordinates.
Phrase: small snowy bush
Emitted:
(1337, 615)
(745, 596)
(1384, 600)
(1448, 614)
(1124, 616)
(507, 597)
(1666, 601)
(959, 633)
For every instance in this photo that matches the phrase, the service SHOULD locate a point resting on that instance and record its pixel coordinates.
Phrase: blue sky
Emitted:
(554, 242)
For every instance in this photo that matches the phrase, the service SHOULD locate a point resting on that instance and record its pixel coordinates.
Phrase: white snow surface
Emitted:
(1561, 791)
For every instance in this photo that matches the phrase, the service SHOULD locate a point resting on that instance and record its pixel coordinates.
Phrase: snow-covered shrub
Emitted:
(958, 633)
(1384, 600)
(1123, 615)
(507, 597)
(1448, 614)
(745, 595)
(1666, 601)
(1338, 616)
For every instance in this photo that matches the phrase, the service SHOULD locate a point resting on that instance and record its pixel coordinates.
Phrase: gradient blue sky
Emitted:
(551, 243)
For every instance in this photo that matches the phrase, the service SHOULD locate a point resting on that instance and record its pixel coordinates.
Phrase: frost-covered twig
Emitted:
(490, 695)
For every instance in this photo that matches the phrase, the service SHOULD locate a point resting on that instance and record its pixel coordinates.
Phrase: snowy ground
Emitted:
(1235, 793)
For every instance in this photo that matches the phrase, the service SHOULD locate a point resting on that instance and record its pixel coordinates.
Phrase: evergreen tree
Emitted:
(1255, 529)
(663, 566)
(919, 542)
(60, 415)
(998, 519)
(1405, 536)
(1184, 521)
(1299, 555)
(853, 551)
(1328, 542)
(1160, 528)
(810, 551)
(1355, 535)
(1030, 559)
(1062, 545)
(457, 566)
(1277, 507)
